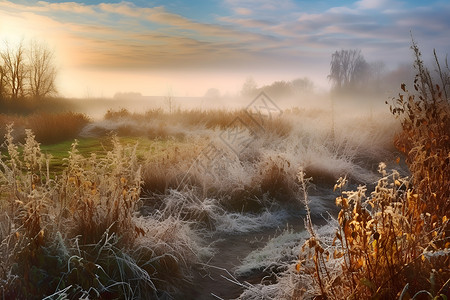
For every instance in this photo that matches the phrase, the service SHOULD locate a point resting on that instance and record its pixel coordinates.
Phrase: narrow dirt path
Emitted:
(231, 249)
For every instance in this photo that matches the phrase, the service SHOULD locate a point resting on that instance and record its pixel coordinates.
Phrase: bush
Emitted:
(425, 139)
(53, 128)
(48, 128)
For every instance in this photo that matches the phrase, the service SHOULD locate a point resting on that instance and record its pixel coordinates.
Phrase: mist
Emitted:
(300, 92)
(224, 150)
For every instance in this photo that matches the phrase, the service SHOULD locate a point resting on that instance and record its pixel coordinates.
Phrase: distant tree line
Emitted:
(350, 73)
(27, 71)
(279, 88)
(127, 95)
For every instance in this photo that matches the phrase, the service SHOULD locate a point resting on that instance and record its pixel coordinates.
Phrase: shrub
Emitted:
(48, 128)
(53, 128)
(116, 115)
(27, 106)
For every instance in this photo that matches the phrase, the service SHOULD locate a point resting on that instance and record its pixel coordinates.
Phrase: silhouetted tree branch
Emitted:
(14, 70)
(27, 72)
(42, 72)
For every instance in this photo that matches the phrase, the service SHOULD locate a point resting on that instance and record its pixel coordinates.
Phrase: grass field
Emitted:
(161, 205)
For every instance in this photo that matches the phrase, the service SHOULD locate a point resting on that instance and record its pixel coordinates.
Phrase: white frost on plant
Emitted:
(235, 223)
(282, 248)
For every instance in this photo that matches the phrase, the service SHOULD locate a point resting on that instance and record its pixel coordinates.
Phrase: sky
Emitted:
(187, 47)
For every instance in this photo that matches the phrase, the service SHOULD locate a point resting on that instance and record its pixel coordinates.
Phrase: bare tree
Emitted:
(347, 69)
(2, 80)
(42, 72)
(14, 70)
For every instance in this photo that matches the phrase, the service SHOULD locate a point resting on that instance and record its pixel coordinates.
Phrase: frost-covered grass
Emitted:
(108, 220)
(279, 252)
(79, 234)
(264, 173)
(391, 243)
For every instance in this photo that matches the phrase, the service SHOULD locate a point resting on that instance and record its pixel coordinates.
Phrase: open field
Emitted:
(254, 192)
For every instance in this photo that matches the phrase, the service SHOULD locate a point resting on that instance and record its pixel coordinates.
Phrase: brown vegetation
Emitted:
(48, 128)
(78, 235)
(394, 243)
(210, 119)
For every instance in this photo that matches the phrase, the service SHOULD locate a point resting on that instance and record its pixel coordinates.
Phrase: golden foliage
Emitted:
(394, 242)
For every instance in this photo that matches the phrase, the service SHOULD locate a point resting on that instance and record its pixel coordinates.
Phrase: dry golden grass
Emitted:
(52, 128)
(167, 165)
(275, 178)
(210, 119)
(79, 235)
(48, 128)
(395, 242)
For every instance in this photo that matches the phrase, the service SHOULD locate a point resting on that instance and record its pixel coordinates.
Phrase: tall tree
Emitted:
(348, 68)
(2, 80)
(14, 70)
(42, 72)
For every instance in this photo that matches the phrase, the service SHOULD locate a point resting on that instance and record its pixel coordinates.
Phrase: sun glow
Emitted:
(12, 30)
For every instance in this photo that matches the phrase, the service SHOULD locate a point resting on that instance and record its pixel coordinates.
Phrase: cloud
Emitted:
(261, 8)
(126, 36)
(43, 6)
(243, 11)
(251, 23)
(160, 16)
(73, 7)
(373, 4)
(250, 34)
